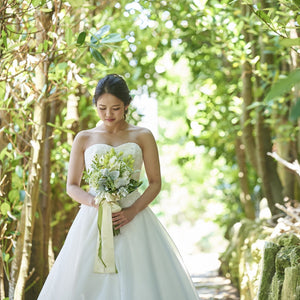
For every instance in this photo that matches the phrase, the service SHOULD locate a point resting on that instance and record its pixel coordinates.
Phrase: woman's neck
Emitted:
(120, 126)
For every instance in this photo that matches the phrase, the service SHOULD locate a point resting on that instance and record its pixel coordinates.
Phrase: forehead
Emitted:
(109, 100)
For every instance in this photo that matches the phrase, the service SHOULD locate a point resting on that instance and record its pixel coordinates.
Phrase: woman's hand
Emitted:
(123, 217)
(95, 205)
(91, 202)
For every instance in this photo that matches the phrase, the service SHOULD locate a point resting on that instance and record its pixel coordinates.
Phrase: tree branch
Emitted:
(294, 166)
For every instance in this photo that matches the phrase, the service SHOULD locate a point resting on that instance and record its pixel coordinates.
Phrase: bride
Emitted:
(147, 265)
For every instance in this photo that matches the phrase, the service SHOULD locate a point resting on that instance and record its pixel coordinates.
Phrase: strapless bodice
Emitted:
(127, 149)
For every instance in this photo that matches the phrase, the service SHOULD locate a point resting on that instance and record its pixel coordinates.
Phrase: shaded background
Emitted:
(216, 81)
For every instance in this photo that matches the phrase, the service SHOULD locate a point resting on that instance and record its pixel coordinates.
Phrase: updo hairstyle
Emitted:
(113, 84)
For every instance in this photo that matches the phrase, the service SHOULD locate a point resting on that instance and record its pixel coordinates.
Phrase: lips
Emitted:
(109, 120)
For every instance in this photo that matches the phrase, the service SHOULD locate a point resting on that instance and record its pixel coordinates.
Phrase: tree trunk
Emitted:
(295, 64)
(40, 247)
(245, 196)
(4, 120)
(287, 177)
(60, 230)
(247, 95)
(46, 202)
(23, 249)
(20, 265)
(2, 289)
(72, 114)
(271, 183)
(267, 167)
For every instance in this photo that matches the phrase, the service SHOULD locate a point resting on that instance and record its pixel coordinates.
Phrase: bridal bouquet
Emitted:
(110, 176)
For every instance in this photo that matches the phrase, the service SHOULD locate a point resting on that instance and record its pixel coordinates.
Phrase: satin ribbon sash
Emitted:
(105, 259)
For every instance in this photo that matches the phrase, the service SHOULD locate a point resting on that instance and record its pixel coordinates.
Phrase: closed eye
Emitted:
(104, 108)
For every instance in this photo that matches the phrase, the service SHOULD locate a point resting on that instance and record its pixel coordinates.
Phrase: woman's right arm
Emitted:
(75, 170)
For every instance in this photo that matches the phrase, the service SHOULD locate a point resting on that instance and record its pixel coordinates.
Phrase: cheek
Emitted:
(121, 112)
(100, 112)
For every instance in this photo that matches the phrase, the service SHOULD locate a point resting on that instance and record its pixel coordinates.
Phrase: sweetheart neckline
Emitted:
(91, 146)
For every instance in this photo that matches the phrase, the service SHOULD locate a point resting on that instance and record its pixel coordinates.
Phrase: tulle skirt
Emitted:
(148, 263)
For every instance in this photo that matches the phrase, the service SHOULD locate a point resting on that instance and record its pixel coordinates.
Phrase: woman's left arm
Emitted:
(152, 168)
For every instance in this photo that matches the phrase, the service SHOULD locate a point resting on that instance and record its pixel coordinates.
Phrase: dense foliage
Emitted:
(224, 75)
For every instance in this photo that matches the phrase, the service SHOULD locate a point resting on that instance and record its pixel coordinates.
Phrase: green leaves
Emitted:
(295, 111)
(19, 171)
(112, 38)
(283, 85)
(81, 38)
(297, 2)
(4, 38)
(290, 42)
(263, 16)
(97, 40)
(98, 56)
(68, 35)
(35, 3)
(99, 34)
(5, 207)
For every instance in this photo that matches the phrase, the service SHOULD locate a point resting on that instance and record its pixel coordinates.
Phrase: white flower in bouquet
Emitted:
(121, 182)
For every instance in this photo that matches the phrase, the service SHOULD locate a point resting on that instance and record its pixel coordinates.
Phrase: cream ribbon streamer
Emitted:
(105, 259)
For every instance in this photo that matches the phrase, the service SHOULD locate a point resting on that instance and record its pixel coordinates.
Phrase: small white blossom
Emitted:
(120, 182)
(123, 191)
(114, 175)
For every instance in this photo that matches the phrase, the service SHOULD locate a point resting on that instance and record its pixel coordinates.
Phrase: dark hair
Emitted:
(113, 84)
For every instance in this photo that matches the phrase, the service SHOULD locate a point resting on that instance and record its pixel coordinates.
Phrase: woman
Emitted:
(147, 264)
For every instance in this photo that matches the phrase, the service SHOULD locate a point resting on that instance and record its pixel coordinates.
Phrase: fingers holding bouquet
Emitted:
(123, 217)
(92, 202)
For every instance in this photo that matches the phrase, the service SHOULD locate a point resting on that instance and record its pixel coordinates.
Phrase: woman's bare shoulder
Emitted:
(143, 135)
(82, 137)
(83, 134)
(140, 131)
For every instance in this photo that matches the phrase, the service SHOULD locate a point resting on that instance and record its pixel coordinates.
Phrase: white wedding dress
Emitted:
(149, 265)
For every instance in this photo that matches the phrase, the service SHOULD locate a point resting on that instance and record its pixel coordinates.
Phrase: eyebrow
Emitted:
(112, 106)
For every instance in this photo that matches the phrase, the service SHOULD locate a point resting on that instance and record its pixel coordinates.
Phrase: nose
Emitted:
(108, 112)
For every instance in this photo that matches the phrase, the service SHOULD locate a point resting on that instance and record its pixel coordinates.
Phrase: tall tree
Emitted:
(20, 268)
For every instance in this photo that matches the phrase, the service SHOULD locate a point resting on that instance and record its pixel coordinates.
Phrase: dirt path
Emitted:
(203, 268)
(211, 286)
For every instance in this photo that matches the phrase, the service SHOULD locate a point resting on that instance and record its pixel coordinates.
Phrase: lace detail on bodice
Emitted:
(127, 148)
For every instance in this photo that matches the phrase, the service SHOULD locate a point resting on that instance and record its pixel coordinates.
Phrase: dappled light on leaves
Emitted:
(217, 82)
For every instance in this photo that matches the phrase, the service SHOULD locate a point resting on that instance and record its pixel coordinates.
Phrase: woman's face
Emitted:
(110, 109)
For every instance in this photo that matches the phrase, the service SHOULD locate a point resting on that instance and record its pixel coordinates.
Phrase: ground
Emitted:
(200, 245)
(203, 268)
